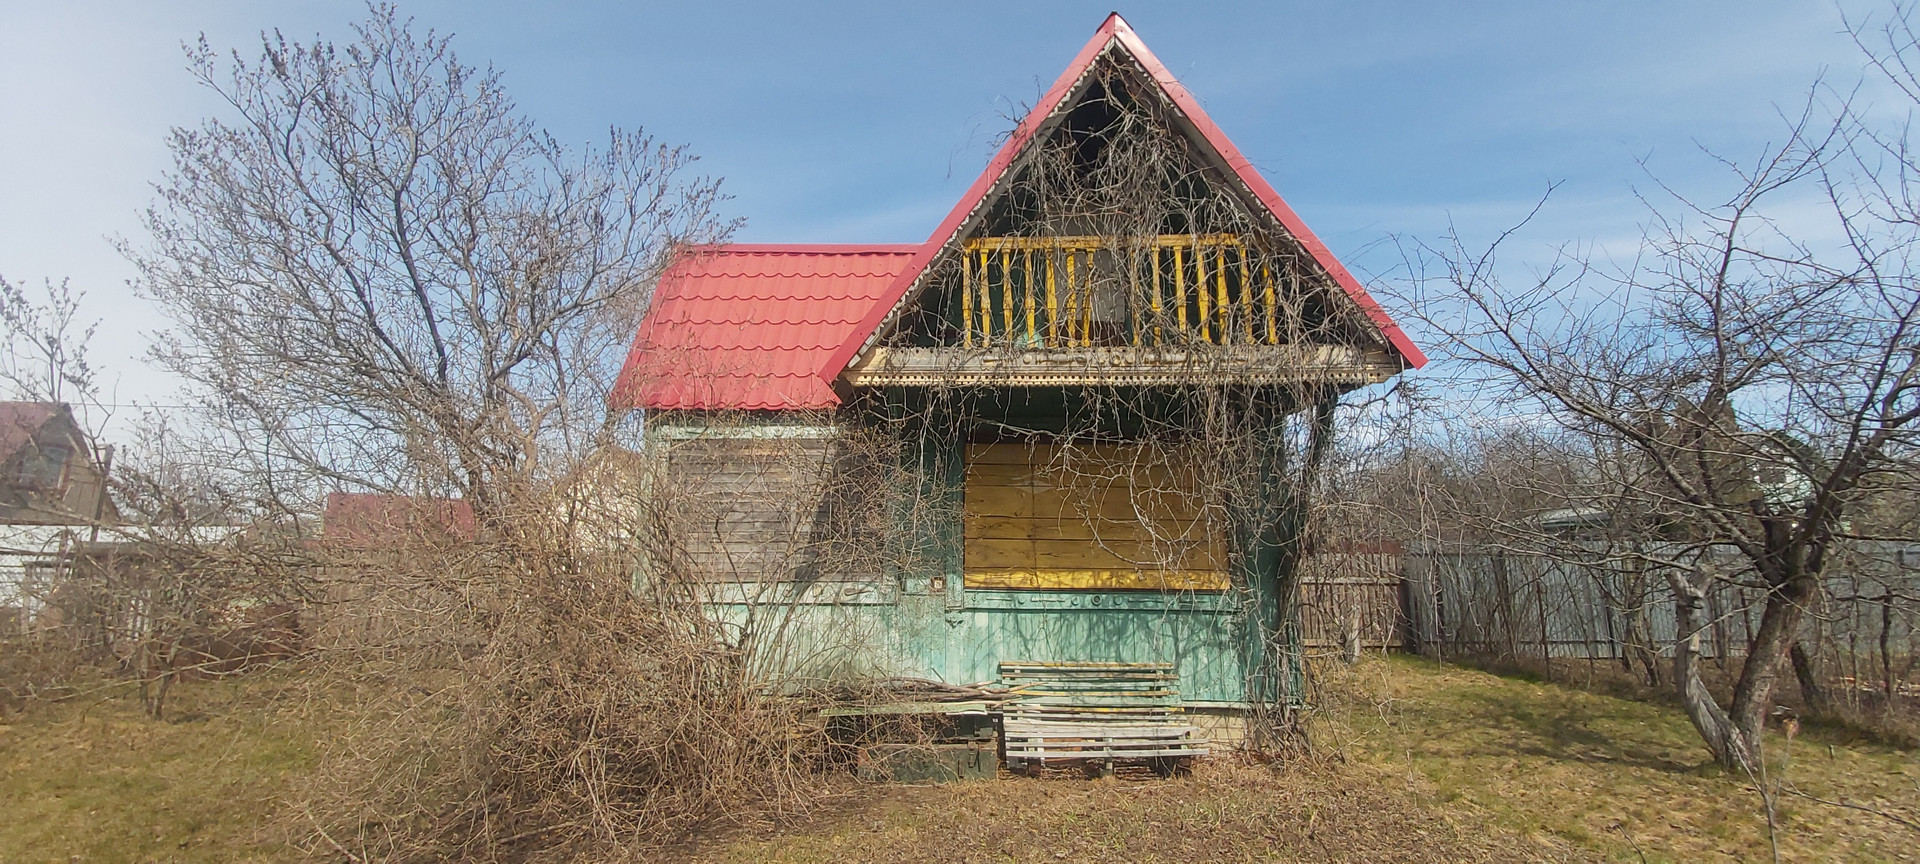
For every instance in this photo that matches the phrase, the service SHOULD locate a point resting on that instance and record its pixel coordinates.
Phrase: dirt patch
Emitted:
(1224, 811)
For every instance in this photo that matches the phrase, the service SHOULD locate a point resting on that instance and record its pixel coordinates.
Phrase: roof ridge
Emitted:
(1114, 31)
(806, 248)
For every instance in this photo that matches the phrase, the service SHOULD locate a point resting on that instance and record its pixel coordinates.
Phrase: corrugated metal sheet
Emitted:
(752, 326)
(1513, 605)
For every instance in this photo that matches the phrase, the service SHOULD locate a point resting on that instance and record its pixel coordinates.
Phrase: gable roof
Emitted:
(773, 326)
(21, 421)
(1114, 34)
(754, 326)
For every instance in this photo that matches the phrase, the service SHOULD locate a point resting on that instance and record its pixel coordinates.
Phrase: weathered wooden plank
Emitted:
(995, 554)
(1115, 580)
(1101, 731)
(1042, 754)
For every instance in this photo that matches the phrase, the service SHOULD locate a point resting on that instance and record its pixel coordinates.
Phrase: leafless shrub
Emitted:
(386, 281)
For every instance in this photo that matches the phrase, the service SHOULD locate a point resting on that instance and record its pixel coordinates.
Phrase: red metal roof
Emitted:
(754, 326)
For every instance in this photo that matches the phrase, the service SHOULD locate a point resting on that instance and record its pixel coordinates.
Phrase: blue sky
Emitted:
(865, 121)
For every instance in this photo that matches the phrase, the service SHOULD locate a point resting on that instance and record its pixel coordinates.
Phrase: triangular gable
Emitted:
(1113, 33)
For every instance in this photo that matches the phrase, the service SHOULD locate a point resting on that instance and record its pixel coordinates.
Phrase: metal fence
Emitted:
(1499, 604)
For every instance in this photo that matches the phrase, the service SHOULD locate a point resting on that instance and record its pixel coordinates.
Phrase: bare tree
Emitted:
(384, 278)
(1738, 387)
(390, 278)
(46, 354)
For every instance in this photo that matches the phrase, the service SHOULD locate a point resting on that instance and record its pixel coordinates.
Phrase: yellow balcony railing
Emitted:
(1073, 292)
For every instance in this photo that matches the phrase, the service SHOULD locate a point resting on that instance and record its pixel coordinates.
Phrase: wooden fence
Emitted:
(1353, 597)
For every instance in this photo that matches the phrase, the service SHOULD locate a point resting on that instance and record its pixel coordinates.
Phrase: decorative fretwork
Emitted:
(1161, 291)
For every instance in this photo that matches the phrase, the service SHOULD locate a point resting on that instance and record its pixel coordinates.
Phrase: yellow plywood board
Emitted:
(994, 554)
(1111, 505)
(1099, 516)
(1164, 531)
(1109, 580)
(999, 473)
(1071, 554)
(998, 454)
(1008, 501)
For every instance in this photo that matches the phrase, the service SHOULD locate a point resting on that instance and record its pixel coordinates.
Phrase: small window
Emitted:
(44, 467)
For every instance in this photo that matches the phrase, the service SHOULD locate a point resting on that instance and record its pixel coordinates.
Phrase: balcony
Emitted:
(1173, 308)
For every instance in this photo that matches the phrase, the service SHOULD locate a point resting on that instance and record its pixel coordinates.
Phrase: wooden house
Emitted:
(50, 472)
(1070, 427)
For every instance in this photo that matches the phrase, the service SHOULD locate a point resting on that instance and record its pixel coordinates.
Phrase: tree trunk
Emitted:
(1810, 690)
(1778, 631)
(1730, 744)
(1640, 639)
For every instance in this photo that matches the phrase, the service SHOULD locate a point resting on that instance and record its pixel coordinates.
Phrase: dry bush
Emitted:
(539, 706)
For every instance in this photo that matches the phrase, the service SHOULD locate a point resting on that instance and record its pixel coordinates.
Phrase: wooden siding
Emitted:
(1091, 518)
(752, 509)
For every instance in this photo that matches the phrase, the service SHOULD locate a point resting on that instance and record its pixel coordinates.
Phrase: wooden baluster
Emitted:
(1053, 304)
(966, 298)
(1153, 284)
(1200, 288)
(1220, 289)
(1073, 302)
(1180, 286)
(1007, 292)
(1246, 295)
(1026, 298)
(1273, 331)
(1087, 304)
(986, 297)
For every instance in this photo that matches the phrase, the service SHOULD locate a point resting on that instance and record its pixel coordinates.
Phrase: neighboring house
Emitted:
(382, 585)
(369, 521)
(50, 473)
(52, 491)
(1040, 375)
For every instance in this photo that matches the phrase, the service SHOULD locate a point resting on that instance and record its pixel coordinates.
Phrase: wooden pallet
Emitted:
(1096, 714)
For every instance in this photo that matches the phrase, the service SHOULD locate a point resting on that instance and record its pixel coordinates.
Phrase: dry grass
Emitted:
(1440, 763)
(1621, 777)
(96, 779)
(1225, 811)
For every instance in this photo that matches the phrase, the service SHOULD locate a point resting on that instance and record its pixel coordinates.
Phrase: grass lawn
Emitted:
(1621, 777)
(94, 779)
(1424, 762)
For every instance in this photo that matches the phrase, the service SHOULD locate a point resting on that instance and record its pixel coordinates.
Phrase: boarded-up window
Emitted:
(1100, 516)
(747, 508)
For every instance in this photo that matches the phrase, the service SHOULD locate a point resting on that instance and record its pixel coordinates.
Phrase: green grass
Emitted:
(93, 779)
(1621, 777)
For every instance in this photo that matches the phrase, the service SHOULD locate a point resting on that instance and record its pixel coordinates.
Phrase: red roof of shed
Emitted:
(365, 520)
(754, 326)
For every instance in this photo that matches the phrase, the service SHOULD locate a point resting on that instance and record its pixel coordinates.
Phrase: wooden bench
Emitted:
(1095, 714)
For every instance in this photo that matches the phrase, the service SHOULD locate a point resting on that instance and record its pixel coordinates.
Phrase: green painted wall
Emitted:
(920, 635)
(921, 621)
